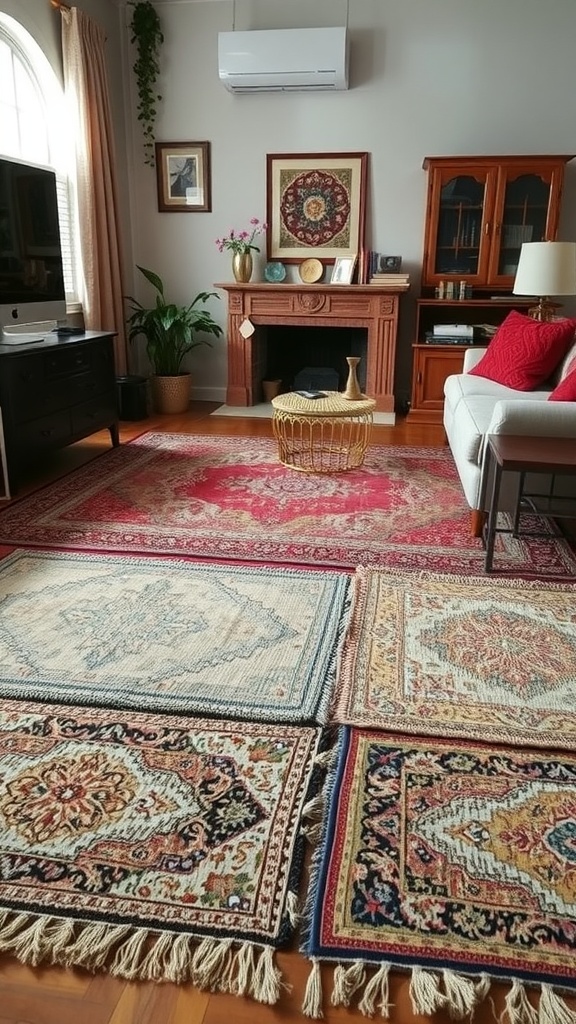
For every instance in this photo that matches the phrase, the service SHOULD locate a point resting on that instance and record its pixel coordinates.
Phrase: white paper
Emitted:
(246, 328)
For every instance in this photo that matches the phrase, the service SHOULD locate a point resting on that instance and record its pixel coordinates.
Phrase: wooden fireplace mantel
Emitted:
(310, 305)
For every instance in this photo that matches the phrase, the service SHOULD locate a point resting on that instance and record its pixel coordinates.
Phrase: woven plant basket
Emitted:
(171, 394)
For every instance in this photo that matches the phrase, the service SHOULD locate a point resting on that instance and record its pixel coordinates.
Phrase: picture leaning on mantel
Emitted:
(315, 205)
(183, 177)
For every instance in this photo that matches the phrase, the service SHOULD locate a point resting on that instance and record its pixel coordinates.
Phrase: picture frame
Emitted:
(343, 270)
(389, 264)
(183, 177)
(315, 205)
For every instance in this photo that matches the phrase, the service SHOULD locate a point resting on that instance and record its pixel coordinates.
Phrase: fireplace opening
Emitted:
(286, 351)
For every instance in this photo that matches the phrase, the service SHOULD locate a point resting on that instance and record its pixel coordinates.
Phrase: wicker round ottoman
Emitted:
(322, 435)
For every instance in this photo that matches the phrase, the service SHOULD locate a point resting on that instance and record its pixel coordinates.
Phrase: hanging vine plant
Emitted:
(147, 36)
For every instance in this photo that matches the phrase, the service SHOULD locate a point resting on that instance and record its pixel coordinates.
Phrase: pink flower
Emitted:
(242, 241)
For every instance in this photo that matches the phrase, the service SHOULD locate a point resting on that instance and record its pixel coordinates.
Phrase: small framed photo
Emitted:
(343, 270)
(183, 177)
(389, 264)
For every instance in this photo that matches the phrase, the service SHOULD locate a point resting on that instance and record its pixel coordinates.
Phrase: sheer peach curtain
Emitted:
(83, 44)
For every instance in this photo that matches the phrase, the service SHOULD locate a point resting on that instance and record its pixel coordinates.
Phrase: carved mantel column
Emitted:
(375, 309)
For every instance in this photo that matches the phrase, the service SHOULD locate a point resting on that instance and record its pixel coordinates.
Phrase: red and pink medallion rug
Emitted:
(230, 498)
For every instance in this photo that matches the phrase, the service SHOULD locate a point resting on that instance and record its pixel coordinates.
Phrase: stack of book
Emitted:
(398, 282)
(374, 268)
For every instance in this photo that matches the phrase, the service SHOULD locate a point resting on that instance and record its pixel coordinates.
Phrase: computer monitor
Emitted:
(32, 296)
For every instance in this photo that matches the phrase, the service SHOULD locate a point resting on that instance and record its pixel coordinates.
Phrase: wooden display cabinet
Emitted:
(432, 363)
(479, 212)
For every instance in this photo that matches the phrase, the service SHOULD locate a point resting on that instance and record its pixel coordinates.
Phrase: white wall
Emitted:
(428, 77)
(448, 77)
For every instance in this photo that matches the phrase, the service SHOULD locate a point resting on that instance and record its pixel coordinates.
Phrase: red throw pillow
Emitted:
(565, 391)
(524, 352)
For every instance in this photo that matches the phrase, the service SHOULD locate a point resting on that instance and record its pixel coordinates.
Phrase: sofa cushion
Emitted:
(470, 422)
(565, 391)
(462, 385)
(524, 352)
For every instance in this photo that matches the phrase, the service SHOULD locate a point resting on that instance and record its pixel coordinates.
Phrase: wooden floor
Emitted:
(55, 996)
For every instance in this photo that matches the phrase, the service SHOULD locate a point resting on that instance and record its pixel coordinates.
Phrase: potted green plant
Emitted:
(171, 332)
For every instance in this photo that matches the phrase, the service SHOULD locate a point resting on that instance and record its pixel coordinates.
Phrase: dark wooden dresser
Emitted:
(55, 392)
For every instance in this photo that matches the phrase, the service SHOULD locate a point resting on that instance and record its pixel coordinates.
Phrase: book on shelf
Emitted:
(391, 276)
(454, 330)
(431, 338)
(393, 284)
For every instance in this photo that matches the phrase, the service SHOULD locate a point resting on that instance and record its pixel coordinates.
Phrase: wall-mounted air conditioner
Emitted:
(284, 60)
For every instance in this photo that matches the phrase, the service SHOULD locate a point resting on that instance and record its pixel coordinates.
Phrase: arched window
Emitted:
(32, 128)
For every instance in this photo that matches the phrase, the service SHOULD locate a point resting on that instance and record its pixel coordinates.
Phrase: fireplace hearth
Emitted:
(289, 350)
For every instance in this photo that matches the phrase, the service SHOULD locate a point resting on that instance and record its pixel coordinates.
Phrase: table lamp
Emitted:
(545, 269)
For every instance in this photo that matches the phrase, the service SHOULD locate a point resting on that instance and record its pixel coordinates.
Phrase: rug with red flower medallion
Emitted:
(469, 656)
(230, 498)
(153, 846)
(451, 860)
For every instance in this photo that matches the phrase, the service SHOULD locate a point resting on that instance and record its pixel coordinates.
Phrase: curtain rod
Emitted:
(59, 6)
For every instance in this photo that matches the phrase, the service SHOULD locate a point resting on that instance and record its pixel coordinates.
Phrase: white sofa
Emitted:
(475, 406)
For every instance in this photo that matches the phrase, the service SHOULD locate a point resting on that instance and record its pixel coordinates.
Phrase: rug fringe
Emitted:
(267, 978)
(312, 1002)
(553, 1009)
(518, 1009)
(425, 992)
(211, 963)
(292, 908)
(347, 981)
(324, 758)
(10, 928)
(218, 965)
(377, 994)
(31, 943)
(430, 992)
(464, 995)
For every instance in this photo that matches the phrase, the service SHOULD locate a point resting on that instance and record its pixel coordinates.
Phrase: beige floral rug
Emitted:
(475, 657)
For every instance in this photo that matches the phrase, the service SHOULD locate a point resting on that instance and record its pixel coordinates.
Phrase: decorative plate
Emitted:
(310, 271)
(274, 272)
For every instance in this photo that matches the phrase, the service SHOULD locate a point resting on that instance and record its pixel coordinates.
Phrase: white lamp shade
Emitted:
(546, 268)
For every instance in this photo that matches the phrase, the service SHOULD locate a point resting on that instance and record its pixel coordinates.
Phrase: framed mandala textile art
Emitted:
(315, 205)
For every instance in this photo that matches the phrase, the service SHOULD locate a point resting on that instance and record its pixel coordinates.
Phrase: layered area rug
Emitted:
(468, 656)
(153, 847)
(453, 861)
(230, 498)
(169, 635)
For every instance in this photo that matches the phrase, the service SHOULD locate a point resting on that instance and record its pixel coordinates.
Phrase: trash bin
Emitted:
(132, 394)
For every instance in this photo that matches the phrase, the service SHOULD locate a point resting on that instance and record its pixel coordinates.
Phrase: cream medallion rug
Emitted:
(168, 635)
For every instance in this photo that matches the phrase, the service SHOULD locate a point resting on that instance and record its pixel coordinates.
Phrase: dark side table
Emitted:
(555, 456)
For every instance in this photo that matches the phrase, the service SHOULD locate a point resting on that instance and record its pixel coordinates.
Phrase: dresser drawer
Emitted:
(93, 415)
(67, 361)
(39, 400)
(45, 432)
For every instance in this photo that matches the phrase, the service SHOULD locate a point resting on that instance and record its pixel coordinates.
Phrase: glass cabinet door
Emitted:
(480, 211)
(522, 209)
(457, 245)
(459, 226)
